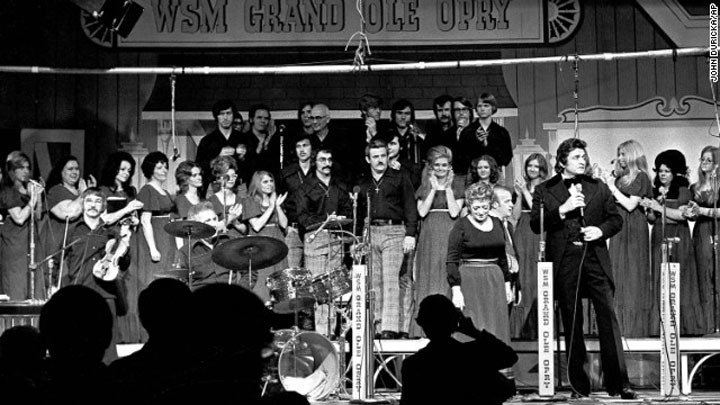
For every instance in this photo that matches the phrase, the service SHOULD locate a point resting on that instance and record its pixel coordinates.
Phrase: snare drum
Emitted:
(306, 363)
(332, 285)
(291, 289)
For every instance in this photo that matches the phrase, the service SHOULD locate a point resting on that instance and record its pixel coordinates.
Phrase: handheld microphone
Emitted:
(578, 188)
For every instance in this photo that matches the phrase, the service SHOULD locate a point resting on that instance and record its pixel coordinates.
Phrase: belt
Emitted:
(526, 211)
(293, 225)
(479, 262)
(439, 210)
(386, 222)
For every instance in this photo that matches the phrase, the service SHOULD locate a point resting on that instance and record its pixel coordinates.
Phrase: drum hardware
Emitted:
(190, 230)
(305, 362)
(176, 273)
(292, 290)
(242, 253)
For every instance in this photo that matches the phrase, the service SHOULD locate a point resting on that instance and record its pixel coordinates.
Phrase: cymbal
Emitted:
(237, 254)
(193, 229)
(330, 225)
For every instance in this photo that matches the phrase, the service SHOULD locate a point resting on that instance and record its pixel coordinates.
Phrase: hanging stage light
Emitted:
(117, 15)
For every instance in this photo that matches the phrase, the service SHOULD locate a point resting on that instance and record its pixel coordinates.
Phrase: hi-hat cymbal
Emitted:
(261, 251)
(338, 223)
(192, 229)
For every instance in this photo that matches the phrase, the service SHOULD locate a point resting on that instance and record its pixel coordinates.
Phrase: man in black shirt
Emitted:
(486, 137)
(224, 139)
(412, 140)
(292, 177)
(441, 131)
(262, 142)
(323, 199)
(88, 242)
(392, 226)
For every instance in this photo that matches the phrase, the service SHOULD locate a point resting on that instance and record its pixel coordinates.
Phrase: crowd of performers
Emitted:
(443, 219)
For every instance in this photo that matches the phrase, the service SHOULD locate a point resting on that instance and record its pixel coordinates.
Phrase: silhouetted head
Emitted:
(21, 349)
(437, 316)
(231, 318)
(164, 307)
(76, 325)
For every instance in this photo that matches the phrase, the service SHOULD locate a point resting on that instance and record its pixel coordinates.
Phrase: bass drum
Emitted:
(308, 363)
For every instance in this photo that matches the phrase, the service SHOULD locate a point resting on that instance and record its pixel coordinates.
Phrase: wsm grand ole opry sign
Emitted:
(276, 23)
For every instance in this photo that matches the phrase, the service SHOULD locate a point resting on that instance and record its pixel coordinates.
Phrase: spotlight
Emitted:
(117, 15)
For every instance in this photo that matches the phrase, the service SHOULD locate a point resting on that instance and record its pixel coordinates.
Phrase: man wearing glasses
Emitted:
(323, 138)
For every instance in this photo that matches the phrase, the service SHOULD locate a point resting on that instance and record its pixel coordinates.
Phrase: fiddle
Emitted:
(108, 267)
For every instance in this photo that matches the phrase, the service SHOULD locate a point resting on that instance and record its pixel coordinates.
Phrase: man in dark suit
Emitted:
(579, 216)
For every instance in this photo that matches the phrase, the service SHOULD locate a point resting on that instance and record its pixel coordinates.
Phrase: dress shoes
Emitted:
(625, 393)
(388, 335)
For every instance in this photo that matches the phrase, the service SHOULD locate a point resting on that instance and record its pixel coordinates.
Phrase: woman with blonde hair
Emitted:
(629, 183)
(703, 208)
(263, 211)
(439, 201)
(523, 321)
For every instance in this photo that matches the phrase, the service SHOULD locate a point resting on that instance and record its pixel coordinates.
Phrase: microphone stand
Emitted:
(714, 241)
(32, 267)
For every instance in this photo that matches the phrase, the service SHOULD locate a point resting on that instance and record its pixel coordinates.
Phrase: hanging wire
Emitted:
(576, 91)
(176, 151)
(363, 48)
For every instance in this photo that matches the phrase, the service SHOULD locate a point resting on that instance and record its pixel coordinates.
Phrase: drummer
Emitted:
(322, 201)
(204, 270)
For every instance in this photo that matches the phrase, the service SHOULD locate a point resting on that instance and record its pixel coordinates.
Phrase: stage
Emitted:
(563, 397)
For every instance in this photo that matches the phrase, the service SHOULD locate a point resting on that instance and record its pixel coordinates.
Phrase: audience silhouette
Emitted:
(448, 371)
(161, 364)
(21, 358)
(76, 327)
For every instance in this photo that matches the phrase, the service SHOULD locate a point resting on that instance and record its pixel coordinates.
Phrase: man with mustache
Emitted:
(323, 197)
(87, 243)
(392, 226)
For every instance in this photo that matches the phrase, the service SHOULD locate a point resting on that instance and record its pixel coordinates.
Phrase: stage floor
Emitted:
(563, 397)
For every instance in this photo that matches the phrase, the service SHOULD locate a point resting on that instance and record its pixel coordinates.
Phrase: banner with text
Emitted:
(275, 23)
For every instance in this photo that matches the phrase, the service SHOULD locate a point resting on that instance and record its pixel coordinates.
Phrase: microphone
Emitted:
(578, 187)
(355, 193)
(281, 128)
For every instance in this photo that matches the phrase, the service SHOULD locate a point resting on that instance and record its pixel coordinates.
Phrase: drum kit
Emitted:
(303, 361)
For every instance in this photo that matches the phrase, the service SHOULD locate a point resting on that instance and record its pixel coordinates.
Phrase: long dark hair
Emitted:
(111, 169)
(675, 161)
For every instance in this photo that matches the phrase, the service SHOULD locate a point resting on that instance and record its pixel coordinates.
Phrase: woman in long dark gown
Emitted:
(19, 198)
(116, 184)
(703, 210)
(671, 187)
(156, 247)
(523, 319)
(439, 201)
(262, 209)
(477, 267)
(629, 248)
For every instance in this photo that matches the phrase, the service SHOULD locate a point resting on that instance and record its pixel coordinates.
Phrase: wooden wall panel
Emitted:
(626, 69)
(645, 39)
